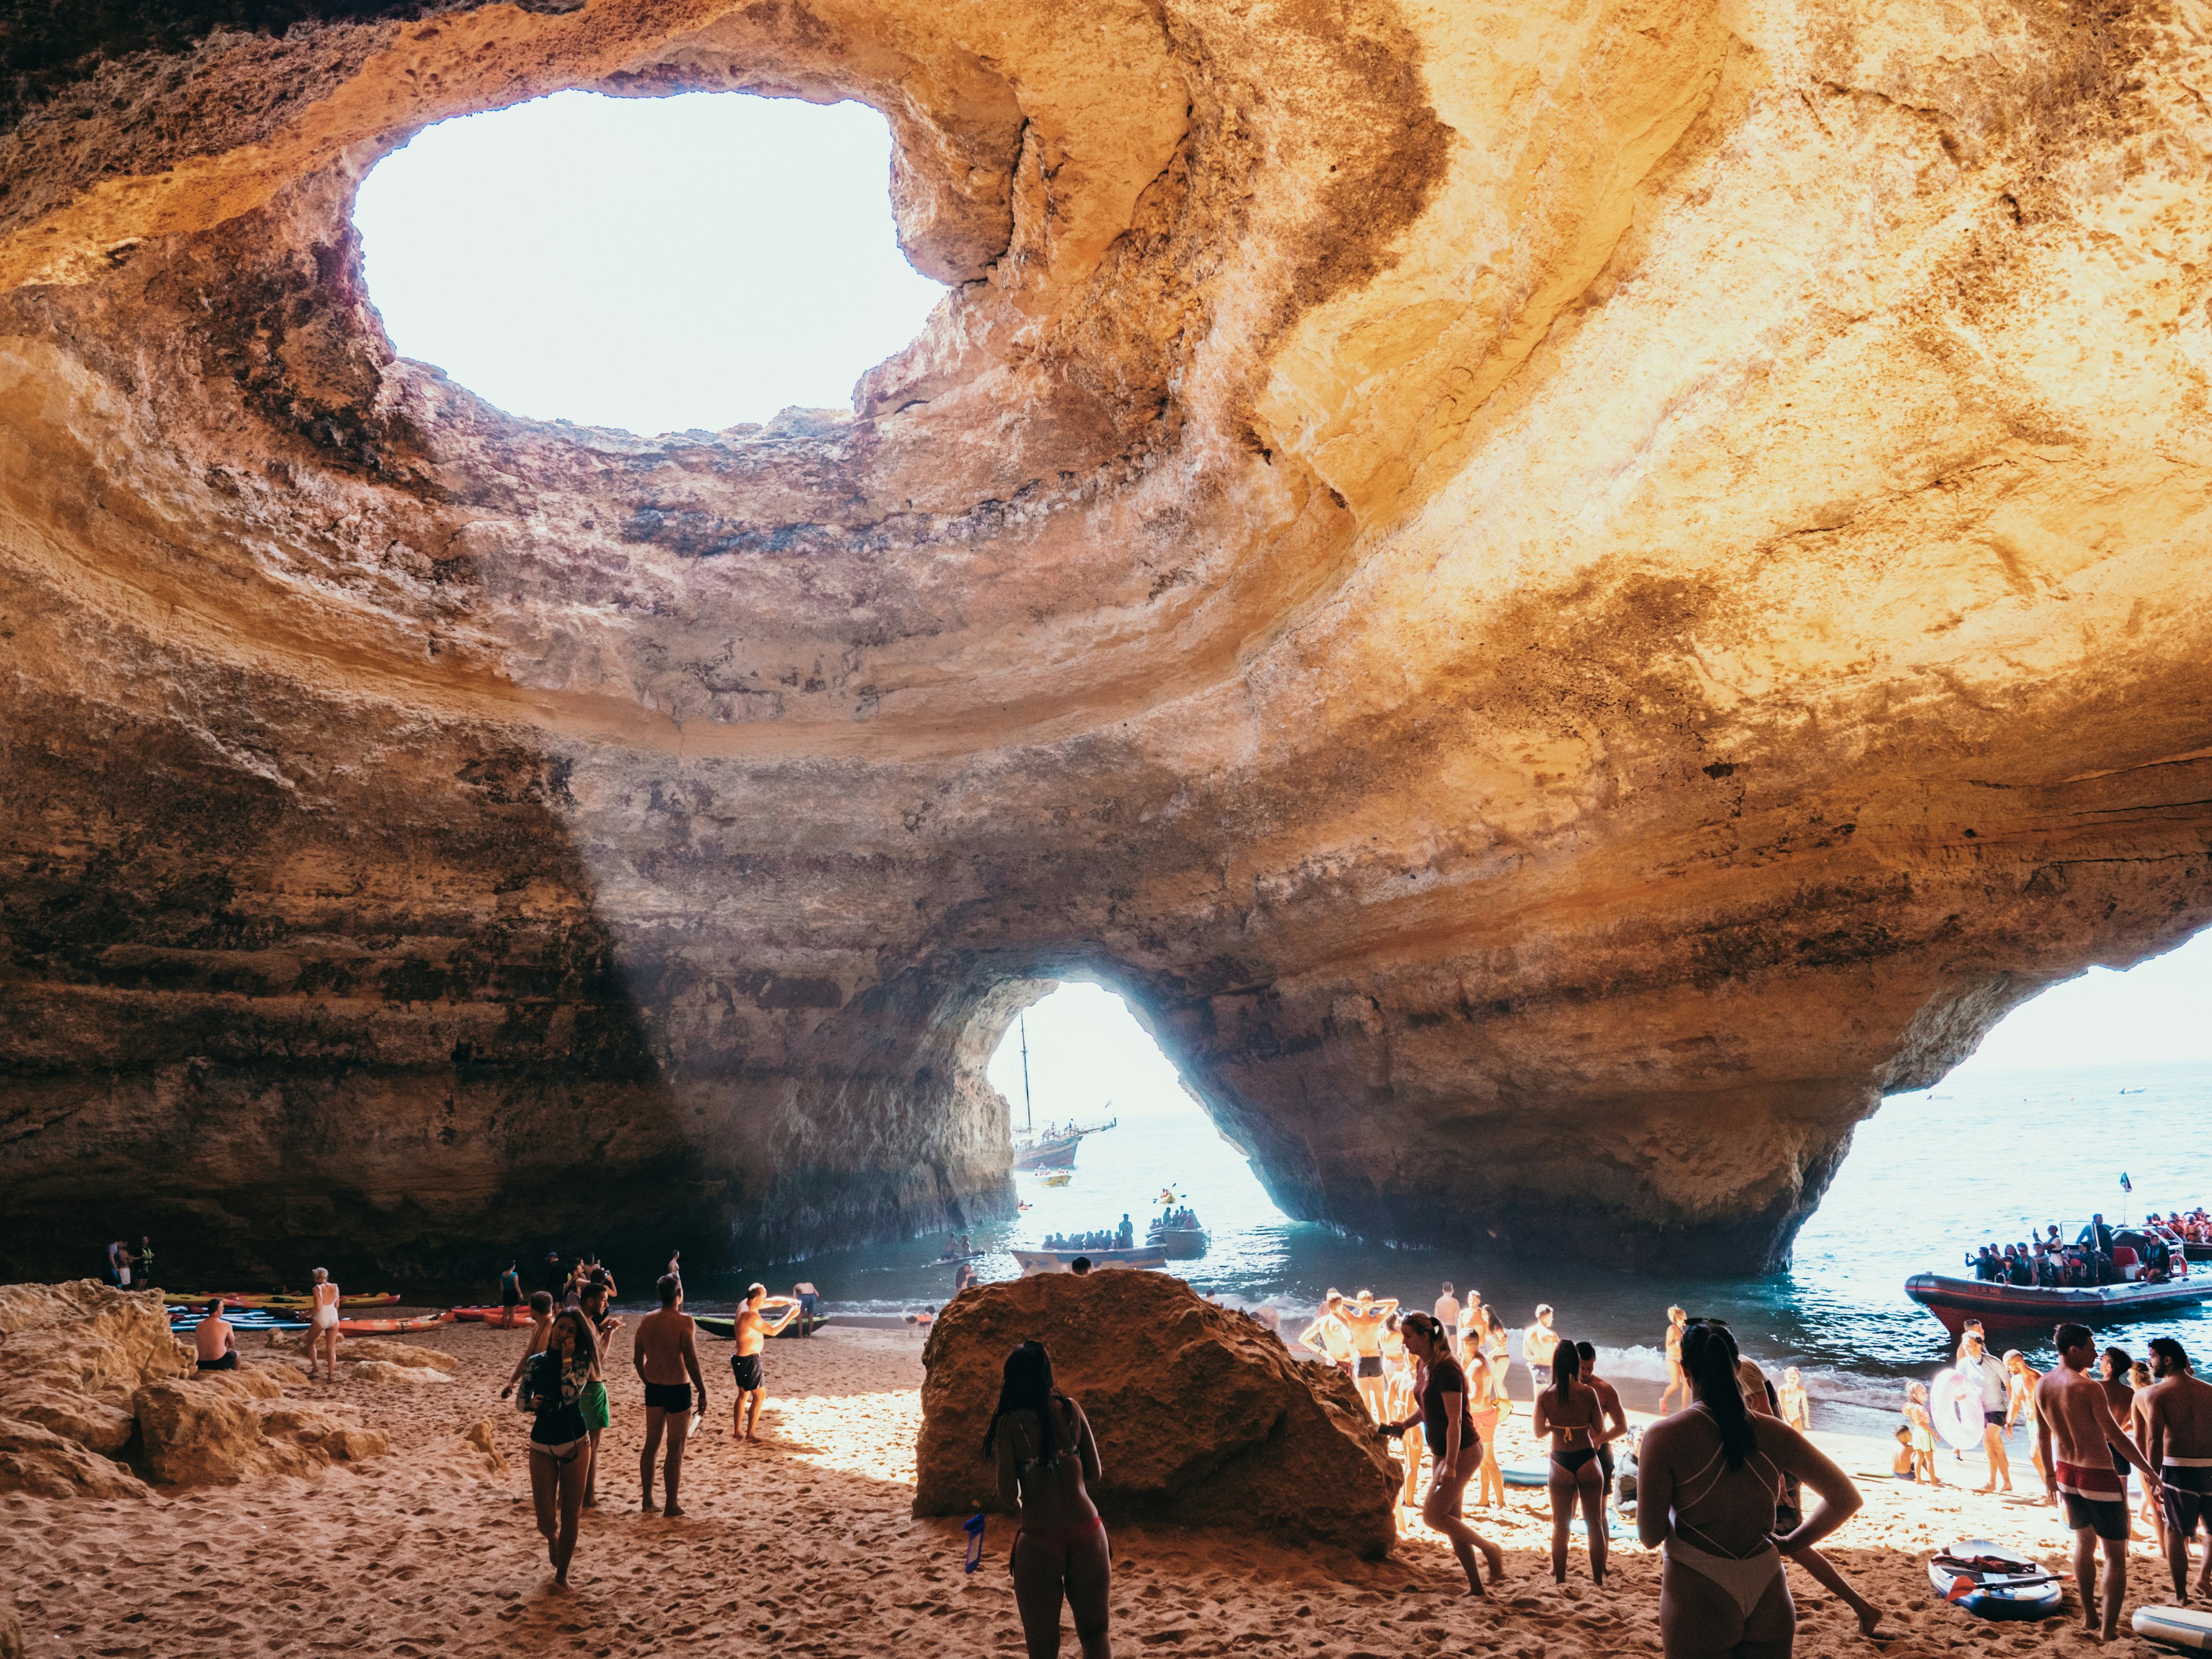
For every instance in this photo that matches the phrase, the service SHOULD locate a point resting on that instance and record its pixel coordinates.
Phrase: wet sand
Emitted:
(802, 1544)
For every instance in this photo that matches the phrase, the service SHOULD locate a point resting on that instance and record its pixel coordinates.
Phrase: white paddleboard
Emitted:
(2176, 1627)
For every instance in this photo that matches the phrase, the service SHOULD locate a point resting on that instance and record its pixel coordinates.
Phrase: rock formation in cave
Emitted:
(1562, 595)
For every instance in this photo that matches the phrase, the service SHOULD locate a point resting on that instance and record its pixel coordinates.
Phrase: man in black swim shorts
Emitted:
(753, 1329)
(666, 1353)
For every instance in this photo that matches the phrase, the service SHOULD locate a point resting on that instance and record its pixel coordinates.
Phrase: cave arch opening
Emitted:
(692, 262)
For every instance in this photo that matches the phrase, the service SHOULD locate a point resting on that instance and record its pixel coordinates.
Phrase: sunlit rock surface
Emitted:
(1563, 596)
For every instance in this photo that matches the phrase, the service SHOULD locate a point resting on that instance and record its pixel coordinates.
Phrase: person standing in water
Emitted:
(2079, 1436)
(1449, 1433)
(1046, 1456)
(1707, 1481)
(665, 1353)
(323, 1326)
(1570, 1412)
(1671, 1345)
(749, 1365)
(2176, 1411)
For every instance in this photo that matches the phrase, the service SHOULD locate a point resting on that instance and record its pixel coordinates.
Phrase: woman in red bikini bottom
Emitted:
(1045, 1453)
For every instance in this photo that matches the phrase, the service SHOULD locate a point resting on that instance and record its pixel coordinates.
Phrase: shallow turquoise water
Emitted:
(1928, 1177)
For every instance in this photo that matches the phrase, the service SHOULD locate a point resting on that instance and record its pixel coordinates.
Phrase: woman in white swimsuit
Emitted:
(1707, 1481)
(323, 1326)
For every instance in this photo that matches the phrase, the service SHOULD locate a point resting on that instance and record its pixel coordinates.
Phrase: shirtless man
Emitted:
(1363, 1318)
(214, 1345)
(1447, 1308)
(1335, 1344)
(752, 1331)
(2077, 1435)
(2178, 1409)
(1537, 1344)
(666, 1353)
(1616, 1420)
(2024, 1377)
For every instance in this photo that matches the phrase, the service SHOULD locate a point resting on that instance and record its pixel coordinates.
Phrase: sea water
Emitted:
(1930, 1176)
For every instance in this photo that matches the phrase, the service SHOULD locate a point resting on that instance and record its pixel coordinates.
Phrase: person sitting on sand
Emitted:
(1570, 1413)
(1335, 1341)
(1922, 1429)
(2078, 1436)
(323, 1326)
(1671, 1345)
(1447, 1431)
(1363, 1318)
(215, 1344)
(541, 1327)
(749, 1365)
(1707, 1481)
(1901, 1465)
(1046, 1456)
(2176, 1411)
(665, 1353)
(559, 1443)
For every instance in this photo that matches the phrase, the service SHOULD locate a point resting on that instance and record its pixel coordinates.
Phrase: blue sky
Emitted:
(654, 264)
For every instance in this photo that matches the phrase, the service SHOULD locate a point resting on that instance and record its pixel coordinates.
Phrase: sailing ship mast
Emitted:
(1029, 1118)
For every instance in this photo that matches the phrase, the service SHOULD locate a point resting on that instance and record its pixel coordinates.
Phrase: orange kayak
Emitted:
(392, 1327)
(493, 1316)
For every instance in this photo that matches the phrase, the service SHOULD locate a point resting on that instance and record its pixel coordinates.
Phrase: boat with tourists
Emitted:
(2147, 1273)
(1178, 1234)
(1054, 1148)
(1056, 1261)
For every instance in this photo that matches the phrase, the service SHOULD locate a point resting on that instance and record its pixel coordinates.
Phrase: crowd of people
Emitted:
(1178, 1219)
(560, 1381)
(2098, 1256)
(1122, 1238)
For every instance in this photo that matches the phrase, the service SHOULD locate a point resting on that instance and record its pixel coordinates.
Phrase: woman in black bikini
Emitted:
(560, 1440)
(1045, 1452)
(1449, 1433)
(1572, 1414)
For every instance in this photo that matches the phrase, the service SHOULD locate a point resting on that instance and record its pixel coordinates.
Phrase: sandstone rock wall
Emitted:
(1201, 1416)
(1563, 595)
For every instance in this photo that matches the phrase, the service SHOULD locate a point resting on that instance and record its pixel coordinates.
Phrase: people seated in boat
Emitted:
(1984, 1261)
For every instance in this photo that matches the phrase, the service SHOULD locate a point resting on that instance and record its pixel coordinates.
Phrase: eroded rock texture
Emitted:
(1563, 594)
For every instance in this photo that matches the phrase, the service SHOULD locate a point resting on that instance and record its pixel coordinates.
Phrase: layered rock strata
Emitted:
(1201, 1416)
(1564, 596)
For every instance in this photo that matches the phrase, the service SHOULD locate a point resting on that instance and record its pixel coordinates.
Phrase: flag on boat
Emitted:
(2126, 1185)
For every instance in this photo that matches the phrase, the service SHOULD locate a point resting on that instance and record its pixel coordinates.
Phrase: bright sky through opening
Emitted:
(652, 263)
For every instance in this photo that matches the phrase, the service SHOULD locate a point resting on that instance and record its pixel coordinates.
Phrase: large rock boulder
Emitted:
(74, 1355)
(38, 1461)
(1202, 1416)
(230, 1425)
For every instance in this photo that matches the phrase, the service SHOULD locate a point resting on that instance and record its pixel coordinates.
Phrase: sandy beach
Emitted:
(804, 1544)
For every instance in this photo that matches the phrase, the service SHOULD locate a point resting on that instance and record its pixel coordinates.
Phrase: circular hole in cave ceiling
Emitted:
(656, 264)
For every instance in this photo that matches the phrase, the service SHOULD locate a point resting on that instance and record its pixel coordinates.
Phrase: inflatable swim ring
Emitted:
(1955, 1404)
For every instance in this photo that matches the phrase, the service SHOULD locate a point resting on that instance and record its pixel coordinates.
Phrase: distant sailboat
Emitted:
(1052, 1151)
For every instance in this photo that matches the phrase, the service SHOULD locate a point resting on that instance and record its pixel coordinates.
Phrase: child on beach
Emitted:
(1921, 1433)
(1901, 1465)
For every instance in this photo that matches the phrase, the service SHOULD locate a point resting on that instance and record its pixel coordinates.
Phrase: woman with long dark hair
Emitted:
(1570, 1412)
(1450, 1434)
(1707, 1480)
(1045, 1452)
(560, 1440)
